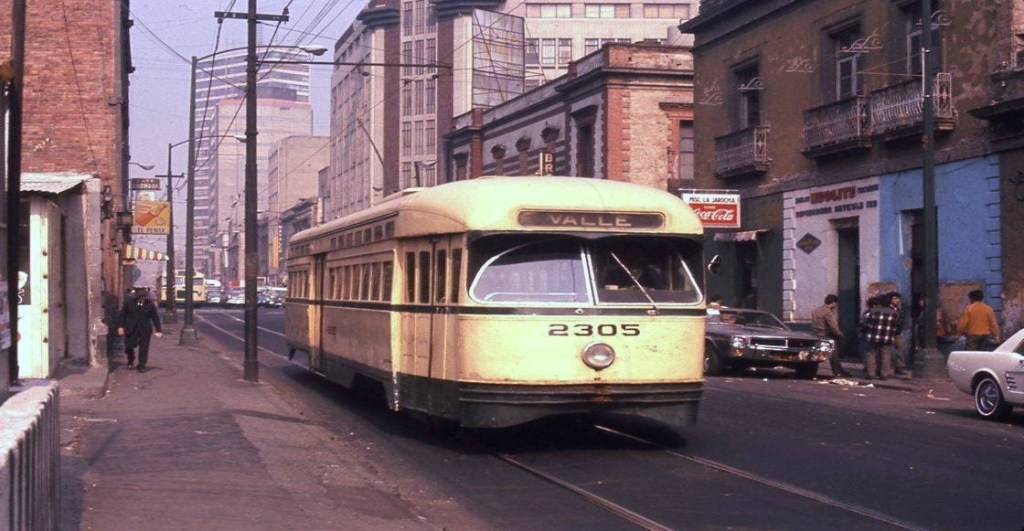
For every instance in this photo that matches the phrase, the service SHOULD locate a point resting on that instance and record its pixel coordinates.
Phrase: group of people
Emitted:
(881, 327)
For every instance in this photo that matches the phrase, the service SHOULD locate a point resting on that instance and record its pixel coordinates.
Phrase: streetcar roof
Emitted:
(494, 203)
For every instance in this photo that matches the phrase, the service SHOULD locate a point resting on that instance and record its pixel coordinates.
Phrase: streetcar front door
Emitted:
(447, 267)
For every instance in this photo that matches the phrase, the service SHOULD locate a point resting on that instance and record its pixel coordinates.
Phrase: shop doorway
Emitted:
(848, 235)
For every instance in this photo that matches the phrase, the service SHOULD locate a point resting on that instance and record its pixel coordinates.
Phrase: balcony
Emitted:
(744, 152)
(836, 127)
(1006, 95)
(897, 110)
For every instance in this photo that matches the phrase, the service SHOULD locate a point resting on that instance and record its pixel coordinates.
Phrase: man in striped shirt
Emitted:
(878, 328)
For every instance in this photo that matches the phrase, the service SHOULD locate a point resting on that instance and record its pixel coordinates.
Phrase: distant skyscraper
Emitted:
(284, 110)
(387, 122)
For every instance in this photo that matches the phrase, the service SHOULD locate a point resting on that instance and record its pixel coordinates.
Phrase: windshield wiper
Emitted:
(634, 280)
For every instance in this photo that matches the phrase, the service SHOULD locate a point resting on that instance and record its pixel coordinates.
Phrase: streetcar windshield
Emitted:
(567, 270)
(547, 271)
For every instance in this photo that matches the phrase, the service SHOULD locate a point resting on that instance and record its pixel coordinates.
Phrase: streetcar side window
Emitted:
(439, 276)
(456, 275)
(424, 291)
(410, 277)
(387, 280)
(374, 281)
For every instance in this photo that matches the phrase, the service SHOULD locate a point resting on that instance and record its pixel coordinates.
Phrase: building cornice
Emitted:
(452, 8)
(379, 16)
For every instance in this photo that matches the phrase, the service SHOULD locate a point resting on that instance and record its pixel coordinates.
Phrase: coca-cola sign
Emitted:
(720, 211)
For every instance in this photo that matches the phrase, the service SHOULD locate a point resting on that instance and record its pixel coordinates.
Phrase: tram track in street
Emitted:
(635, 517)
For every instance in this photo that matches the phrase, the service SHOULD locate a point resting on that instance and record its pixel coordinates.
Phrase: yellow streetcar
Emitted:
(501, 300)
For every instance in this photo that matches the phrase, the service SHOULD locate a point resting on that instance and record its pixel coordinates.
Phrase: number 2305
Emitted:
(583, 330)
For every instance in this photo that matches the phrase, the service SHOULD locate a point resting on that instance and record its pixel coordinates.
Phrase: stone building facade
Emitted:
(813, 111)
(623, 113)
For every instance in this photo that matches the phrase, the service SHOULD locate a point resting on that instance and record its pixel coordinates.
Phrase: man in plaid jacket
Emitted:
(878, 326)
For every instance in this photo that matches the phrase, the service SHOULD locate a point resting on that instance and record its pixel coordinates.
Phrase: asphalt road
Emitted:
(769, 452)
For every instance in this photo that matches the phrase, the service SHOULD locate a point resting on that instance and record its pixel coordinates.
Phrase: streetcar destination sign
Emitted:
(589, 220)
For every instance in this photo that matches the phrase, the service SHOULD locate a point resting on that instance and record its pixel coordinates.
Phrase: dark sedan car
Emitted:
(738, 339)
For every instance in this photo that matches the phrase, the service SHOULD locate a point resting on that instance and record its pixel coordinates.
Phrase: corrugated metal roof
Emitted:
(52, 183)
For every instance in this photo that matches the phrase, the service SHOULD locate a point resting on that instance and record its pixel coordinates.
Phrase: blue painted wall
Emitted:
(967, 198)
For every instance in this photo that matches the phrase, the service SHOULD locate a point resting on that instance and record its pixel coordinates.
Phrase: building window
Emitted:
(532, 51)
(849, 70)
(585, 142)
(420, 15)
(430, 134)
(673, 11)
(431, 96)
(407, 58)
(418, 97)
(748, 91)
(606, 11)
(549, 10)
(564, 51)
(417, 139)
(406, 100)
(406, 174)
(407, 18)
(912, 13)
(547, 51)
(686, 150)
(431, 56)
(591, 45)
(406, 139)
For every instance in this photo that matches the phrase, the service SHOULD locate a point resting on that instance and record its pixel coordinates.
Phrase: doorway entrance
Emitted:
(848, 235)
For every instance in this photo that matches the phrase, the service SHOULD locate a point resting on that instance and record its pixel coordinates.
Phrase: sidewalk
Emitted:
(190, 445)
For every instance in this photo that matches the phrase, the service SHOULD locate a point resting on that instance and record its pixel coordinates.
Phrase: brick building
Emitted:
(622, 113)
(75, 122)
(813, 110)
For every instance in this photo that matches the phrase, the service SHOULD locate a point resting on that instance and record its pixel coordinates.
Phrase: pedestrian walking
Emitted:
(139, 318)
(899, 355)
(978, 323)
(825, 323)
(878, 327)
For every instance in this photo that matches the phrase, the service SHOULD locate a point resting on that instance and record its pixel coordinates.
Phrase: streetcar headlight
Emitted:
(825, 346)
(739, 342)
(598, 355)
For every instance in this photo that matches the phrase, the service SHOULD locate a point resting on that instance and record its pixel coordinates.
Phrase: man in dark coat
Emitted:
(139, 318)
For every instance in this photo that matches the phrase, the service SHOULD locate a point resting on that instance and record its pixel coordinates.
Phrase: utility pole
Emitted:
(16, 93)
(250, 364)
(929, 364)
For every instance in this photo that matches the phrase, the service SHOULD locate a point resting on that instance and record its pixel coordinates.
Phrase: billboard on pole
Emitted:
(151, 217)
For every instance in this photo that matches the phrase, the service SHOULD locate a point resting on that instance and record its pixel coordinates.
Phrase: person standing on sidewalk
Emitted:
(978, 323)
(899, 355)
(825, 323)
(139, 318)
(878, 328)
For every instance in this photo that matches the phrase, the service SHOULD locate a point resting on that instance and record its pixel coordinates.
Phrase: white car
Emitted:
(996, 379)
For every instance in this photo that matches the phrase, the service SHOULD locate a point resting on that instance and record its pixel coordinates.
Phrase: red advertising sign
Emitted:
(715, 210)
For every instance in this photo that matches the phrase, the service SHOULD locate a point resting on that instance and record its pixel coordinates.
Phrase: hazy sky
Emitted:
(167, 34)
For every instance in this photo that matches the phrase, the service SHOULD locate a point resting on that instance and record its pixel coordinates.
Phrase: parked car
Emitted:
(214, 297)
(996, 378)
(737, 339)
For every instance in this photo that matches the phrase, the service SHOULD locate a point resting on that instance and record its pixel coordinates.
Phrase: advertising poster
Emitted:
(151, 217)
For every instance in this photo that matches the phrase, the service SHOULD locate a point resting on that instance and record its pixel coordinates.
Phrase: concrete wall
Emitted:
(30, 459)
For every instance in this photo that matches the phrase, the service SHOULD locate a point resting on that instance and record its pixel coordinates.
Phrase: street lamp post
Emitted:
(169, 296)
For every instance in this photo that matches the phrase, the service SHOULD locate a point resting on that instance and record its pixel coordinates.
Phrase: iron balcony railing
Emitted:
(742, 152)
(898, 108)
(837, 126)
(1006, 94)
